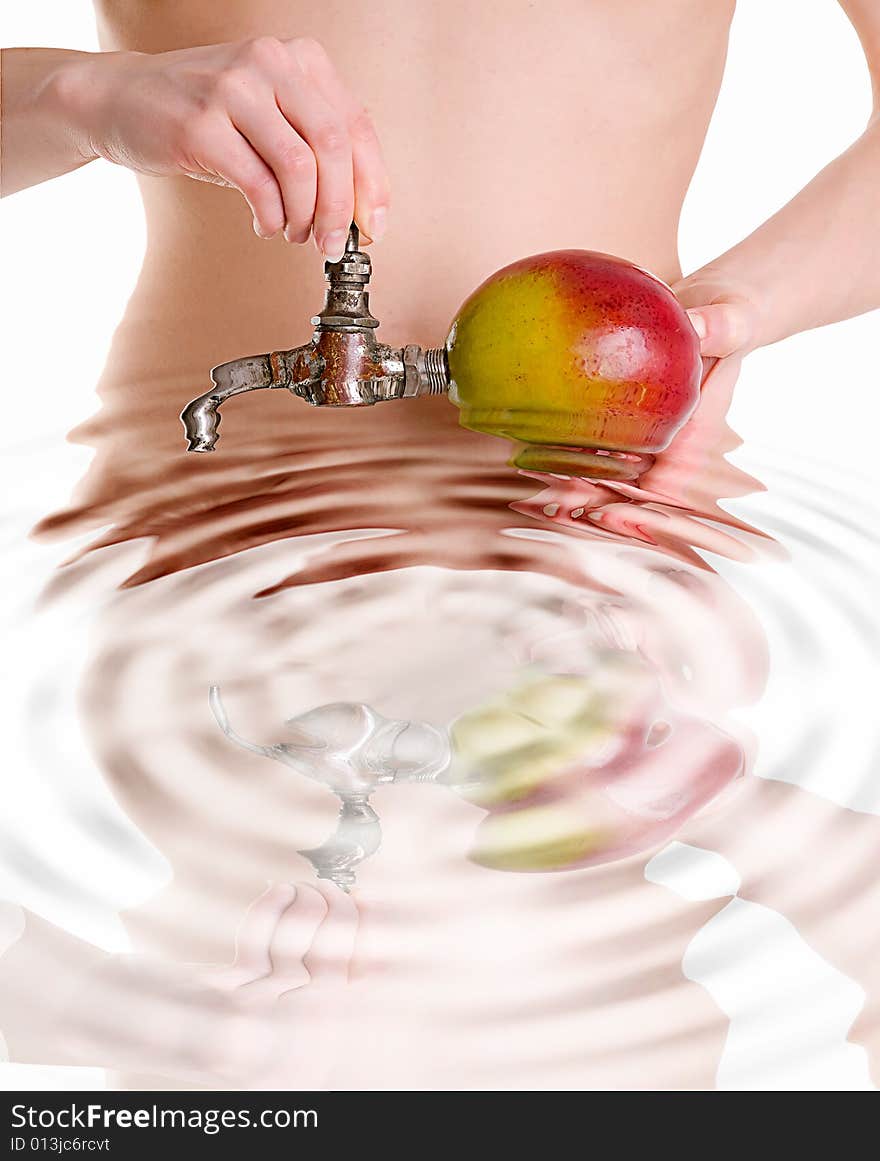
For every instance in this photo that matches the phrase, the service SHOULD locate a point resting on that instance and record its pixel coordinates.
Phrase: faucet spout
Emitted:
(201, 417)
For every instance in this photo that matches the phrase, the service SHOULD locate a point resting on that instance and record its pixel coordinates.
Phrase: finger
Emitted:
(290, 160)
(227, 153)
(294, 936)
(332, 948)
(334, 201)
(371, 185)
(257, 929)
(564, 501)
(665, 528)
(722, 328)
(709, 365)
(324, 126)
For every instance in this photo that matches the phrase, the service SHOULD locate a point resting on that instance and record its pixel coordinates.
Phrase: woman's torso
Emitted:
(508, 128)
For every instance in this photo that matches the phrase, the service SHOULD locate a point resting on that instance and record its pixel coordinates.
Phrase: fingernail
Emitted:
(378, 219)
(334, 245)
(698, 323)
(259, 231)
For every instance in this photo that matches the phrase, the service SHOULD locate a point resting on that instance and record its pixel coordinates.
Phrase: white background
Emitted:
(795, 94)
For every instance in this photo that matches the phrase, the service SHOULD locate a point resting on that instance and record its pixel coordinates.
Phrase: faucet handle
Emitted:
(353, 241)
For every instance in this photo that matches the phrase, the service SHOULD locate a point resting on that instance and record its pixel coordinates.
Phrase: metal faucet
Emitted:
(342, 366)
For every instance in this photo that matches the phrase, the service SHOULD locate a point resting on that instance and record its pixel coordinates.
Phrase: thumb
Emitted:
(723, 328)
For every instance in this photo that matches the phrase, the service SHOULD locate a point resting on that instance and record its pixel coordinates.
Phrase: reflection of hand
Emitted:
(268, 1020)
(673, 506)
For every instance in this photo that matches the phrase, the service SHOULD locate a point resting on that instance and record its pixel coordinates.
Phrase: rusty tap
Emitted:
(342, 366)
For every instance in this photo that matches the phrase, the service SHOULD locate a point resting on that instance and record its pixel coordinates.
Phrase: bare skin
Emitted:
(498, 138)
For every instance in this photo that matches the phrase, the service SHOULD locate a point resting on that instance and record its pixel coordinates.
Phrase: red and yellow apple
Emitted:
(589, 361)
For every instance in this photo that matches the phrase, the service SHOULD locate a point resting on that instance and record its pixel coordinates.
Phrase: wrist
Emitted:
(81, 90)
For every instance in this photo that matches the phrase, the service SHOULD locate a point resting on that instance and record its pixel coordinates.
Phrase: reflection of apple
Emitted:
(580, 770)
(588, 360)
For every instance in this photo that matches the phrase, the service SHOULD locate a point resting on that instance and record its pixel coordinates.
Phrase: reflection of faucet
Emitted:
(342, 366)
(351, 749)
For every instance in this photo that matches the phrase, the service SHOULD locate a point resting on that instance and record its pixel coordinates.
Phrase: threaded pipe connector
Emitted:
(435, 371)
